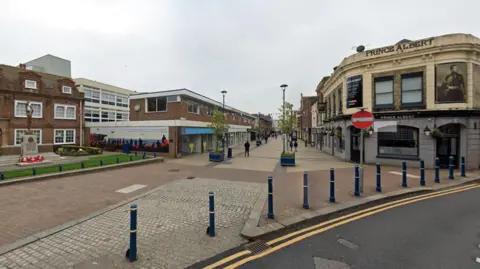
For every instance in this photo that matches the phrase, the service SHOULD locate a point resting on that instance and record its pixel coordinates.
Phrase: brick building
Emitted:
(305, 116)
(57, 106)
(182, 116)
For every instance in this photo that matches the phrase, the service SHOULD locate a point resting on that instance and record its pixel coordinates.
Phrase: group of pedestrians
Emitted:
(293, 144)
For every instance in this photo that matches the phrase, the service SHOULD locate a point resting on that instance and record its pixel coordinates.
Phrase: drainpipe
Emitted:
(80, 114)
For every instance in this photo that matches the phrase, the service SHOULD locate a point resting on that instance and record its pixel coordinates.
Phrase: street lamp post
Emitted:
(284, 87)
(225, 132)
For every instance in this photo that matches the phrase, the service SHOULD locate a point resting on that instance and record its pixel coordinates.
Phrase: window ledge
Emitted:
(398, 157)
(156, 111)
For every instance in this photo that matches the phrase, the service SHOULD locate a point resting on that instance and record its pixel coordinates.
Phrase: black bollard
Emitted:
(332, 185)
(404, 174)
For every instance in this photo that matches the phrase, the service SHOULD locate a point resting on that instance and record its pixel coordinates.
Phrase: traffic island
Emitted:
(287, 158)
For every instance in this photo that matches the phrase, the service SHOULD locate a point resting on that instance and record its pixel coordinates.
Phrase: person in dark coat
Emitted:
(291, 145)
(247, 149)
(295, 145)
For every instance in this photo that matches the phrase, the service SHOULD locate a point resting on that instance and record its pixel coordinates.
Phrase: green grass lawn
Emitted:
(91, 162)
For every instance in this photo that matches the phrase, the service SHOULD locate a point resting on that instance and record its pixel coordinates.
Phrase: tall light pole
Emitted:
(284, 87)
(225, 142)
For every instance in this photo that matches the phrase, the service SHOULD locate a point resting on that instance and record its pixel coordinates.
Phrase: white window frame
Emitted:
(64, 136)
(15, 136)
(25, 102)
(65, 112)
(67, 89)
(193, 105)
(30, 81)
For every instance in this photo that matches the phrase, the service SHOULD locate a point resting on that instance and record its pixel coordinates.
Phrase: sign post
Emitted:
(362, 120)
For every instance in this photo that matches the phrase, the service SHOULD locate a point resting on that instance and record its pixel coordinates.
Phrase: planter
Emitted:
(216, 156)
(287, 160)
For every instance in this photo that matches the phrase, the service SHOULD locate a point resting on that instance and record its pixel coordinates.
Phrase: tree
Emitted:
(218, 125)
(288, 121)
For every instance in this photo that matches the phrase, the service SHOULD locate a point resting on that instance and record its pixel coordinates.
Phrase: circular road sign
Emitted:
(362, 119)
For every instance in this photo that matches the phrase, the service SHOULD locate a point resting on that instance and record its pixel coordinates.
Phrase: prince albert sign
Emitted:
(400, 47)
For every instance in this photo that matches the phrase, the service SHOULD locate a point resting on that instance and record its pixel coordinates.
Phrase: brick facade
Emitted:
(48, 93)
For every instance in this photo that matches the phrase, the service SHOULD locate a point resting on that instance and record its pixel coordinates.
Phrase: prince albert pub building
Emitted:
(424, 95)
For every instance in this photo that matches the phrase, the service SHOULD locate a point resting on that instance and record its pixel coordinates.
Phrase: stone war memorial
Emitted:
(29, 153)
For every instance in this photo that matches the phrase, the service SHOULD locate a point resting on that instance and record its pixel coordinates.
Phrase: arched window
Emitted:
(403, 142)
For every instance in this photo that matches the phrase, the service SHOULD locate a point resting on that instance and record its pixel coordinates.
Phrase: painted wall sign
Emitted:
(400, 47)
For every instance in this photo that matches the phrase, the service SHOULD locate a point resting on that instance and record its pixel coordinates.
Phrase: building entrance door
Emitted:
(354, 144)
(449, 145)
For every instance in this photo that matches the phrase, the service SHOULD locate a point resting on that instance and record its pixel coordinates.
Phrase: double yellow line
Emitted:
(327, 225)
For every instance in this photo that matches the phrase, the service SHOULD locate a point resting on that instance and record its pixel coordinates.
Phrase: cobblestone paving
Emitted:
(171, 230)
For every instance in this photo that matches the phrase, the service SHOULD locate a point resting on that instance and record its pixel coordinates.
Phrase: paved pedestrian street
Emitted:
(172, 223)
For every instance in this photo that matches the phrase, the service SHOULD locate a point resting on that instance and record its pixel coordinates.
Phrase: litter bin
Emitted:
(229, 154)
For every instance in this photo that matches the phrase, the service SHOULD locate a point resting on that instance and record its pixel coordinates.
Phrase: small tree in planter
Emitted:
(287, 123)
(219, 126)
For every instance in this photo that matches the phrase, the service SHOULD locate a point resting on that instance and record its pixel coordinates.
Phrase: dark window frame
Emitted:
(156, 104)
(420, 104)
(382, 79)
(396, 140)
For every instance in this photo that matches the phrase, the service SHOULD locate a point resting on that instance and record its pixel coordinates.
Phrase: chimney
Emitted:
(22, 66)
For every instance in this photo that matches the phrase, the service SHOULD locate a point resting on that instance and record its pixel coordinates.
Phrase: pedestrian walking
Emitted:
(247, 149)
(291, 145)
(266, 139)
(295, 145)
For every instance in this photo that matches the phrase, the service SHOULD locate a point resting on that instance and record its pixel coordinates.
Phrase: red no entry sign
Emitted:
(362, 119)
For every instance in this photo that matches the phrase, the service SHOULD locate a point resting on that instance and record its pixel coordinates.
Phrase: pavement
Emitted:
(442, 232)
(86, 200)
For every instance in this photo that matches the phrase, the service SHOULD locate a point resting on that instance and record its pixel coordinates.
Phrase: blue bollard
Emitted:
(422, 172)
(450, 168)
(132, 251)
(60, 168)
(404, 174)
(2, 176)
(118, 160)
(34, 171)
(332, 185)
(379, 179)
(211, 202)
(462, 168)
(357, 181)
(101, 162)
(437, 170)
(270, 197)
(131, 158)
(305, 190)
(82, 164)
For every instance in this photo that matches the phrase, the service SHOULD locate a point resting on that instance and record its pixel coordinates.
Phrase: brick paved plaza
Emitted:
(173, 217)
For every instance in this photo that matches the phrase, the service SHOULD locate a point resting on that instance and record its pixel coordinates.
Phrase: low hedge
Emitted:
(78, 151)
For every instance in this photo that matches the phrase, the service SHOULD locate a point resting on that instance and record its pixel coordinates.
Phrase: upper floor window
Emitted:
(412, 88)
(333, 104)
(122, 116)
(65, 112)
(157, 104)
(340, 103)
(193, 108)
(233, 116)
(210, 111)
(30, 84)
(21, 109)
(175, 98)
(108, 98)
(384, 91)
(92, 96)
(67, 89)
(92, 114)
(121, 101)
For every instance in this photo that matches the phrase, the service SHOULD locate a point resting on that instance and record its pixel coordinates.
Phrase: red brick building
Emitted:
(57, 105)
(305, 116)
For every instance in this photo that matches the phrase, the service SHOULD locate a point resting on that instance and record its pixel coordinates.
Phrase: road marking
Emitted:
(478, 260)
(229, 258)
(345, 219)
(347, 243)
(132, 188)
(400, 173)
(321, 263)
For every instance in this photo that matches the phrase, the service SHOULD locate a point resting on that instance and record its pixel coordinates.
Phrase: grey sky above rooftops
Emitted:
(247, 47)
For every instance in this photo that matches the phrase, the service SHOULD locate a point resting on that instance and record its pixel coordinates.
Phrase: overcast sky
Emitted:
(247, 47)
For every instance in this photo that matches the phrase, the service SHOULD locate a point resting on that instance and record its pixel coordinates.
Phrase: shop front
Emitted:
(197, 140)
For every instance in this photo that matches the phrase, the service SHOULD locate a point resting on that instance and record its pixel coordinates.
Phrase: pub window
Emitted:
(403, 142)
(340, 98)
(412, 88)
(384, 91)
(157, 104)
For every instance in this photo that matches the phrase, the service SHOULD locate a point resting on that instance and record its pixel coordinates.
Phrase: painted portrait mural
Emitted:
(451, 83)
(476, 85)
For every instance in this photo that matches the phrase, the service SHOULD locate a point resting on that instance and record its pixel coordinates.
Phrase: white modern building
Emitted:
(50, 64)
(104, 102)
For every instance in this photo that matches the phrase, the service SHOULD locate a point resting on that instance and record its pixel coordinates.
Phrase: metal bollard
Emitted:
(332, 185)
(270, 197)
(144, 155)
(305, 190)
(118, 160)
(437, 170)
(422, 172)
(404, 174)
(450, 168)
(2, 176)
(131, 158)
(60, 168)
(379, 179)
(211, 202)
(135, 153)
(101, 162)
(82, 164)
(357, 181)
(462, 168)
(132, 251)
(154, 155)
(34, 171)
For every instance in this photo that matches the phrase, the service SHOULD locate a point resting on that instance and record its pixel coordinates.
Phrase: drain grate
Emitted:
(174, 170)
(257, 247)
(190, 177)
